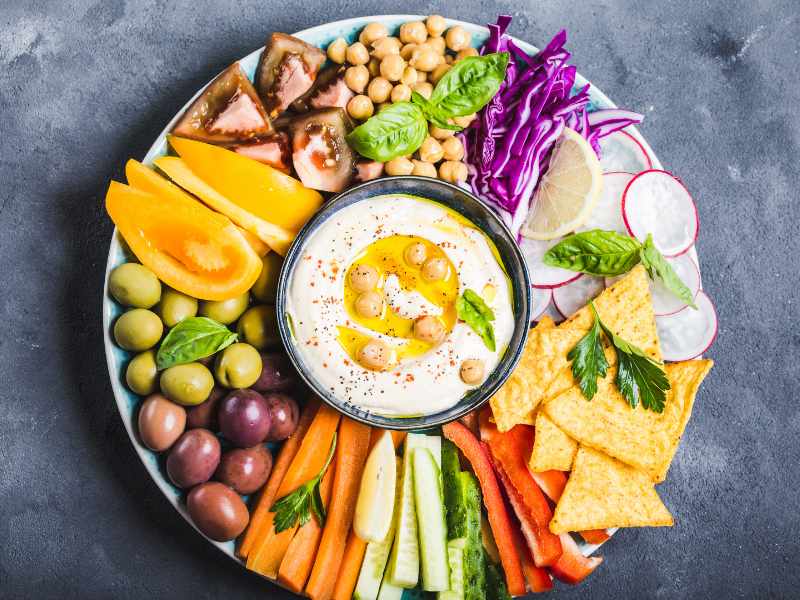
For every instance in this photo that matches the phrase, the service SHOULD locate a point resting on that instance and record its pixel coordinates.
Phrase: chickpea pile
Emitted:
(382, 69)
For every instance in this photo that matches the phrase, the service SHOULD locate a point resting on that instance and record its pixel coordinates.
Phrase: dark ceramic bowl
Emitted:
(481, 215)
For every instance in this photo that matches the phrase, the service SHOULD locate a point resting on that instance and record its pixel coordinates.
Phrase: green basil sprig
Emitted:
(397, 130)
(400, 129)
(608, 253)
(471, 309)
(192, 339)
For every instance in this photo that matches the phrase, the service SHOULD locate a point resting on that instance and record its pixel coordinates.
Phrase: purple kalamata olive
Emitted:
(285, 414)
(244, 418)
(217, 511)
(161, 422)
(277, 373)
(204, 415)
(245, 469)
(193, 458)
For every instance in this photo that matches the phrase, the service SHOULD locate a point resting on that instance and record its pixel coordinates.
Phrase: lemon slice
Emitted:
(568, 190)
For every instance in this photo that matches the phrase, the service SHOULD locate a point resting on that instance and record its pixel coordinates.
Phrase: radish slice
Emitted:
(540, 299)
(688, 333)
(542, 275)
(620, 151)
(665, 303)
(657, 202)
(570, 298)
(552, 312)
(607, 213)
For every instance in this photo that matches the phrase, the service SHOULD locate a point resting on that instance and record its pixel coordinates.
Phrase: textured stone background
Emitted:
(85, 86)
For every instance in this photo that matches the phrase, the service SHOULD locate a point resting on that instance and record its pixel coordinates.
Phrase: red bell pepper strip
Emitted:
(594, 536)
(538, 579)
(551, 482)
(510, 451)
(493, 499)
(573, 567)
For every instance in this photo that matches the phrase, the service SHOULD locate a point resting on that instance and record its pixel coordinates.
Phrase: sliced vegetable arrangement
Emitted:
(507, 499)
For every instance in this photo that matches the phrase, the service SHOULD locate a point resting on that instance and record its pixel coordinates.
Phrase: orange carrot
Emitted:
(256, 530)
(351, 453)
(351, 566)
(299, 559)
(266, 555)
(397, 438)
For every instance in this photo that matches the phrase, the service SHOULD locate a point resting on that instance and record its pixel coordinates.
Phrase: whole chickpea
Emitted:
(428, 329)
(375, 355)
(424, 89)
(431, 150)
(372, 32)
(385, 46)
(423, 169)
(392, 67)
(437, 44)
(465, 120)
(379, 90)
(415, 253)
(457, 38)
(337, 50)
(356, 78)
(449, 58)
(425, 59)
(434, 269)
(360, 107)
(407, 51)
(363, 278)
(453, 171)
(465, 53)
(381, 106)
(409, 76)
(435, 25)
(413, 32)
(399, 166)
(439, 72)
(369, 304)
(472, 371)
(401, 93)
(440, 134)
(357, 54)
(374, 67)
(452, 149)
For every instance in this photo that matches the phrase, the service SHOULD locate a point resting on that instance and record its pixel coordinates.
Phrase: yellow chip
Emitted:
(544, 357)
(626, 308)
(603, 492)
(641, 438)
(546, 322)
(552, 448)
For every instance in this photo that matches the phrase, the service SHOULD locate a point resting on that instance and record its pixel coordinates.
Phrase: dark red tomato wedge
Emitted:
(321, 156)
(287, 70)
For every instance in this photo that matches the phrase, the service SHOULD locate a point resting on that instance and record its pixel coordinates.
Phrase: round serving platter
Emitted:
(117, 359)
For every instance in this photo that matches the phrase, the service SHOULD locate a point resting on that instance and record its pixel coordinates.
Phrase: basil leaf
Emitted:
(596, 252)
(469, 84)
(191, 339)
(589, 360)
(471, 309)
(658, 267)
(433, 113)
(397, 130)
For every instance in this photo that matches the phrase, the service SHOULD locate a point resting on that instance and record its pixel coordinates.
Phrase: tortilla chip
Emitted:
(546, 322)
(544, 357)
(552, 448)
(602, 492)
(638, 437)
(626, 308)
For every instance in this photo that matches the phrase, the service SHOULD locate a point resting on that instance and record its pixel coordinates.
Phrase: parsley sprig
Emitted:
(296, 507)
(639, 377)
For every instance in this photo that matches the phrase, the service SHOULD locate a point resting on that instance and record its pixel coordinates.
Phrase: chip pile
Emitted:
(615, 454)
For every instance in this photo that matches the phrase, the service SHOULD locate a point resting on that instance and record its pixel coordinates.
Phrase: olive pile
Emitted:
(382, 69)
(211, 417)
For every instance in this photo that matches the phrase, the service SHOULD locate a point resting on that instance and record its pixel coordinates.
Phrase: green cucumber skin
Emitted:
(496, 583)
(431, 522)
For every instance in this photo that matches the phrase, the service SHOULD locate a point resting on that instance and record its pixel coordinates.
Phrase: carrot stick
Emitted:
(351, 453)
(299, 559)
(397, 438)
(351, 566)
(266, 555)
(256, 530)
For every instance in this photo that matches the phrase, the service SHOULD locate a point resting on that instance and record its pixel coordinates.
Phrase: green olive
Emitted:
(188, 384)
(175, 306)
(134, 285)
(225, 311)
(238, 366)
(259, 327)
(138, 329)
(142, 374)
(266, 286)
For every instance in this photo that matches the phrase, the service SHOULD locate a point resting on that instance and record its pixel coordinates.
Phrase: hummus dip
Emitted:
(373, 304)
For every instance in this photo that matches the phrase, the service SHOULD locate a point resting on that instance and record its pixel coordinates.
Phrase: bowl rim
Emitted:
(494, 380)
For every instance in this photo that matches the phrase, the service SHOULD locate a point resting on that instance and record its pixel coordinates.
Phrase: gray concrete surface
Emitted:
(84, 86)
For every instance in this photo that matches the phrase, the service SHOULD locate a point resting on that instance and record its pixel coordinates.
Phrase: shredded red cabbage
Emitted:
(508, 146)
